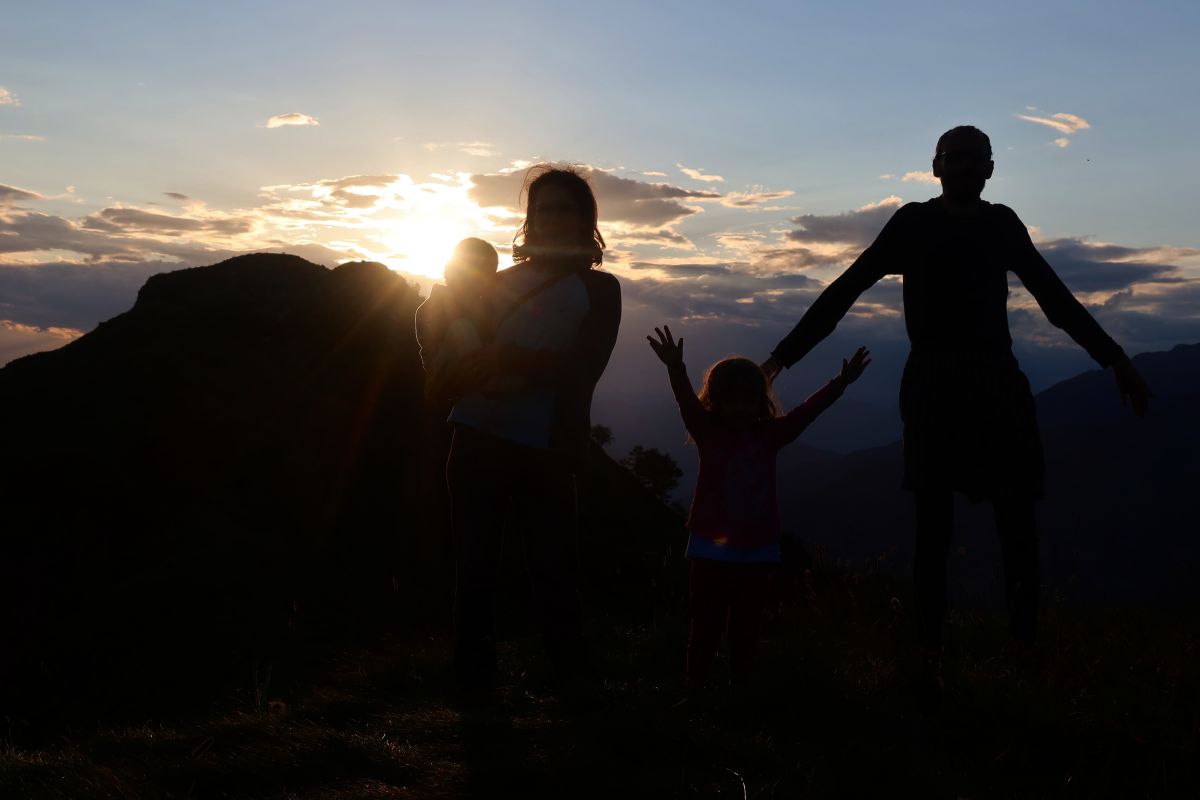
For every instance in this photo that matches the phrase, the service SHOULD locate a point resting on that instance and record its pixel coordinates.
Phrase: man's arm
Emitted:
(1064, 311)
(828, 309)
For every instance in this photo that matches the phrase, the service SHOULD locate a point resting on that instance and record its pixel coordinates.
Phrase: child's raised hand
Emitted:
(852, 369)
(666, 348)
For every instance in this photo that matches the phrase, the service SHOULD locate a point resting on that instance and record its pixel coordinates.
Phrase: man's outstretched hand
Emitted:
(771, 368)
(1134, 391)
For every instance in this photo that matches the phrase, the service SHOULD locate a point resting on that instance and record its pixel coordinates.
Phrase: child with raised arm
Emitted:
(734, 528)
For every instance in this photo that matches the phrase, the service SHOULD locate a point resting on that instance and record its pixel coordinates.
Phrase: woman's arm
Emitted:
(583, 362)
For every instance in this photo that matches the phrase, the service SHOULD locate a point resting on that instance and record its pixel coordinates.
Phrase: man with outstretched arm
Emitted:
(968, 413)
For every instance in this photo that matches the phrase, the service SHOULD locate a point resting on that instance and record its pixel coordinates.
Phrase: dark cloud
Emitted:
(177, 195)
(620, 199)
(661, 238)
(135, 220)
(33, 231)
(11, 195)
(107, 239)
(859, 227)
(801, 258)
(1088, 267)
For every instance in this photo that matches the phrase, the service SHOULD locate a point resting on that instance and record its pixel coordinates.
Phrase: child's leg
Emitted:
(706, 618)
(748, 598)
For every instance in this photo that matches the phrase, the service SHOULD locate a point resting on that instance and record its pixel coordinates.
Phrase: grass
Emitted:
(1111, 712)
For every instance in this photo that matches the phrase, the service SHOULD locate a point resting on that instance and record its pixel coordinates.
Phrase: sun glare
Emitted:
(417, 226)
(422, 243)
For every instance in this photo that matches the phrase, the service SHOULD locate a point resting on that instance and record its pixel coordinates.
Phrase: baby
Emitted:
(453, 322)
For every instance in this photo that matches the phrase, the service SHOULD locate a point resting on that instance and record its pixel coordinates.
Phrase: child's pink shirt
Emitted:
(735, 511)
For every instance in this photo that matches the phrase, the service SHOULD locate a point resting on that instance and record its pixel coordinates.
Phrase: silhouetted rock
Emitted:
(243, 452)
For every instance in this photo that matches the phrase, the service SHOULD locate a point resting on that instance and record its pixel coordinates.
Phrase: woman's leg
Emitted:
(1016, 525)
(545, 504)
(748, 598)
(935, 523)
(477, 501)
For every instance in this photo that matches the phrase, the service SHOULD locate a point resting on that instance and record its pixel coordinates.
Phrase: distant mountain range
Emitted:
(1119, 523)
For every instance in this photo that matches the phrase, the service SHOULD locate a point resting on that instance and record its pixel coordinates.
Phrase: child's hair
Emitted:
(734, 377)
(473, 259)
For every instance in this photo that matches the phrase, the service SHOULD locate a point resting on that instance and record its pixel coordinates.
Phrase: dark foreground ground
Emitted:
(1110, 712)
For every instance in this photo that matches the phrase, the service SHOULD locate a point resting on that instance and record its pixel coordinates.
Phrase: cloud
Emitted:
(293, 118)
(1063, 123)
(660, 238)
(135, 220)
(1090, 267)
(482, 149)
(858, 228)
(655, 174)
(752, 199)
(920, 176)
(698, 175)
(177, 195)
(21, 137)
(18, 339)
(11, 195)
(680, 270)
(7, 98)
(625, 200)
(117, 235)
(1066, 124)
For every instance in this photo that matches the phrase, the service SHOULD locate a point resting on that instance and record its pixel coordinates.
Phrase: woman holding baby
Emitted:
(521, 417)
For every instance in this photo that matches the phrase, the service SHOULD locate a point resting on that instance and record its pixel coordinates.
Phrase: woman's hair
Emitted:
(591, 243)
(733, 377)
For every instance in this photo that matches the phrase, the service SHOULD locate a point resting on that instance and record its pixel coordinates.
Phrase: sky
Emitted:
(742, 155)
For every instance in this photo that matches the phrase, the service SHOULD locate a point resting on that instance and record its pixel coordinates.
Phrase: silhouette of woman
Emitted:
(522, 428)
(968, 413)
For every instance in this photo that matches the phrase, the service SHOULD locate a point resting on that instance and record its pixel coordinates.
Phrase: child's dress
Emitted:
(734, 523)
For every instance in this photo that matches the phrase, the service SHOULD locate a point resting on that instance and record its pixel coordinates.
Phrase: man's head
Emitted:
(963, 162)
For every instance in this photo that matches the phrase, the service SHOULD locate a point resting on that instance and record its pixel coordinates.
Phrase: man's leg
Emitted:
(935, 523)
(1017, 528)
(477, 501)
